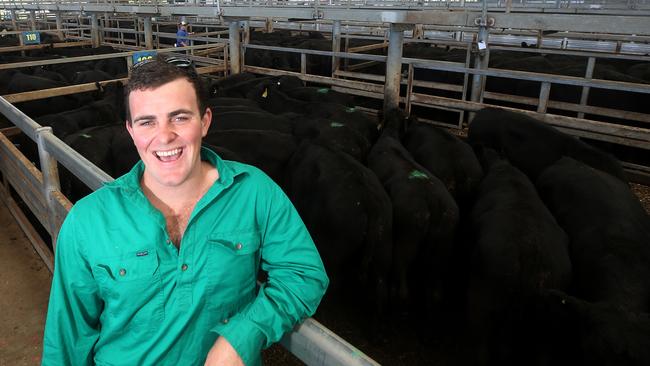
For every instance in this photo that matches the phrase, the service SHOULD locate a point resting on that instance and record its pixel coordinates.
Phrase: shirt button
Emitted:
(169, 241)
(184, 267)
(122, 272)
(238, 246)
(225, 321)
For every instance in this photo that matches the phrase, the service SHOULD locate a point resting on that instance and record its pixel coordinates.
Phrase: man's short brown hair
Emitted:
(154, 73)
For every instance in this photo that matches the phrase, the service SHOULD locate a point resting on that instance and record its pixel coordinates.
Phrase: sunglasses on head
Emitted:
(178, 61)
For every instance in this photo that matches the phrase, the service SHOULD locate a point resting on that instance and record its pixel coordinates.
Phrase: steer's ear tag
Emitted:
(266, 93)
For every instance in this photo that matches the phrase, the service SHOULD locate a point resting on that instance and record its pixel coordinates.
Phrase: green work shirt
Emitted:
(123, 294)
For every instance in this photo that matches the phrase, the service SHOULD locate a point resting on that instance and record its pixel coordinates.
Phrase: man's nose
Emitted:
(166, 133)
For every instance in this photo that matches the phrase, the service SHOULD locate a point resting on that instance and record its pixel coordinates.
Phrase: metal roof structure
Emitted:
(605, 16)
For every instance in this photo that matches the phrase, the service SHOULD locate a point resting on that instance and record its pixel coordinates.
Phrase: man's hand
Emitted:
(222, 354)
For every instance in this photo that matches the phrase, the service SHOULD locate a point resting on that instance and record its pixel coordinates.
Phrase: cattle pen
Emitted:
(587, 74)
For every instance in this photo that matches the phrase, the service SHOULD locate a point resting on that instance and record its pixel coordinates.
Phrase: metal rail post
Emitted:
(418, 31)
(32, 20)
(136, 26)
(584, 97)
(393, 66)
(14, 25)
(148, 35)
(59, 25)
(481, 60)
(246, 30)
(234, 47)
(336, 45)
(50, 180)
(268, 25)
(544, 92)
(94, 30)
(106, 23)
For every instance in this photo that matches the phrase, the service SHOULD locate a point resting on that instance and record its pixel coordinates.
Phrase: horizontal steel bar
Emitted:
(318, 346)
(16, 65)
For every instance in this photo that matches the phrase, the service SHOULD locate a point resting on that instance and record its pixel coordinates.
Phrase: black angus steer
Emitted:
(425, 217)
(609, 233)
(336, 135)
(20, 82)
(270, 151)
(598, 333)
(447, 157)
(292, 86)
(532, 145)
(519, 251)
(96, 145)
(349, 215)
(268, 96)
(250, 120)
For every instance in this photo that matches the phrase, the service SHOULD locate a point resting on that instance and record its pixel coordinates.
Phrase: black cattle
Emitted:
(609, 232)
(22, 83)
(424, 219)
(123, 152)
(95, 144)
(270, 98)
(268, 150)
(250, 120)
(90, 76)
(349, 215)
(220, 102)
(598, 334)
(5, 78)
(335, 135)
(47, 74)
(520, 250)
(532, 146)
(292, 86)
(230, 81)
(116, 67)
(238, 87)
(447, 157)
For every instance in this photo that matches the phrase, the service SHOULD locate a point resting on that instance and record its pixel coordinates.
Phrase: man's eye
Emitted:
(181, 118)
(145, 123)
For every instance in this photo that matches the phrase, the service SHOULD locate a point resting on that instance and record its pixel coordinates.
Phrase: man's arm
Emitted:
(72, 325)
(296, 282)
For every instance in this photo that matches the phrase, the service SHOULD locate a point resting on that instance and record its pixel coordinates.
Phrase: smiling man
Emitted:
(159, 267)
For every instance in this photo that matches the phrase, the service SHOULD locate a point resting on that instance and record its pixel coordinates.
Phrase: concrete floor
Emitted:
(24, 292)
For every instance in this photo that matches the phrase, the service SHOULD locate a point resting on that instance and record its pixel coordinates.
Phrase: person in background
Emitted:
(161, 266)
(181, 35)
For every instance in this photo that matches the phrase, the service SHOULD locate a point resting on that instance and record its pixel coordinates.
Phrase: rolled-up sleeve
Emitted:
(72, 325)
(296, 282)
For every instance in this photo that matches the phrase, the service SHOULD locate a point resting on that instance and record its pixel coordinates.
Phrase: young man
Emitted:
(159, 267)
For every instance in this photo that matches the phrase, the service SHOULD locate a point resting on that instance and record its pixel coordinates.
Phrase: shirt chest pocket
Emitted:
(233, 265)
(132, 288)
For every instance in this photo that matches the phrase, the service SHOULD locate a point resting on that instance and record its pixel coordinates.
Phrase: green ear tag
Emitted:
(416, 174)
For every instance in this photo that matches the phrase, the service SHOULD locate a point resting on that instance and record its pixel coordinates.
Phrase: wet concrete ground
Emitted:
(24, 292)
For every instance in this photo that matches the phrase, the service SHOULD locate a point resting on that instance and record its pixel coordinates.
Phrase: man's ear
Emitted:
(205, 121)
(129, 128)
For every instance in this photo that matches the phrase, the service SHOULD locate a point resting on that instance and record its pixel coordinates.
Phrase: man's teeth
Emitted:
(168, 152)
